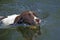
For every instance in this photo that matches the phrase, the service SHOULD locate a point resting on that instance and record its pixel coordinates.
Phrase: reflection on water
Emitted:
(28, 32)
(50, 26)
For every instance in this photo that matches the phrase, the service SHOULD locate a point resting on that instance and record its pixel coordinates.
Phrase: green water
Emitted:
(50, 26)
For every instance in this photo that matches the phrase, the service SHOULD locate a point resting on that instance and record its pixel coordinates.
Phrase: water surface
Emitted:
(50, 26)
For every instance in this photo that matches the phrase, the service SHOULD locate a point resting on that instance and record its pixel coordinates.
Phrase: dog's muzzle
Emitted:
(37, 20)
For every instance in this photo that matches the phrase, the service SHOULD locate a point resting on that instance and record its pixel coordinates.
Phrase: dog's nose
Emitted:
(38, 21)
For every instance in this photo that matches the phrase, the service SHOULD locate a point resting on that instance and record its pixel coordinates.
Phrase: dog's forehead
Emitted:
(29, 12)
(33, 13)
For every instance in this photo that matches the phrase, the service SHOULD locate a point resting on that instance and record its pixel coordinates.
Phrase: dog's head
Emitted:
(28, 17)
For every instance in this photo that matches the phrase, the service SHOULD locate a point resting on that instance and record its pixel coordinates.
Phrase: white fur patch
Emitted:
(35, 20)
(9, 20)
(35, 17)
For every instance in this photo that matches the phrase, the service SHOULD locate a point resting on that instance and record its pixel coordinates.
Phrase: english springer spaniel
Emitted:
(27, 17)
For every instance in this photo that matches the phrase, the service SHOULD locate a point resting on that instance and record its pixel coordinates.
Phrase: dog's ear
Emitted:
(18, 19)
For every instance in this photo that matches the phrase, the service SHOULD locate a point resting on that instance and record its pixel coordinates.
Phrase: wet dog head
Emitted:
(28, 17)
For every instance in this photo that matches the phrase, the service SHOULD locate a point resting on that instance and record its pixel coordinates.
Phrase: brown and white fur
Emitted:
(28, 17)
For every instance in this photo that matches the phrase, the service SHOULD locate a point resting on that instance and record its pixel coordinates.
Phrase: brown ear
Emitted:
(17, 19)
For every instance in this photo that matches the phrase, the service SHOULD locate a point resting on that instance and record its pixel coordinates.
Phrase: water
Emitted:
(50, 26)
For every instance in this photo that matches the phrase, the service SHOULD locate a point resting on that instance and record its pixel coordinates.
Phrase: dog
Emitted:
(26, 17)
